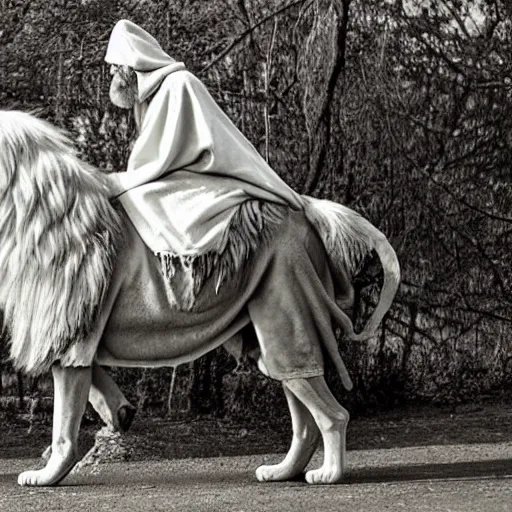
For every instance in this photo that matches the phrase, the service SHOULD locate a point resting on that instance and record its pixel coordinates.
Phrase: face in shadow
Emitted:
(123, 89)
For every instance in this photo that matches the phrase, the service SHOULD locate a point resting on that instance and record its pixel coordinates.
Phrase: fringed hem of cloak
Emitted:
(254, 223)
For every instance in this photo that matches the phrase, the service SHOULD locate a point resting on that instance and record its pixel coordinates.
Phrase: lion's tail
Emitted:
(347, 238)
(343, 320)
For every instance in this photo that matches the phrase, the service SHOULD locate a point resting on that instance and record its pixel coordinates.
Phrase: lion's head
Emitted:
(58, 238)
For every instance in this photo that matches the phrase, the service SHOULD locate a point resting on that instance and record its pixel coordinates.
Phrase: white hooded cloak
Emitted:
(190, 166)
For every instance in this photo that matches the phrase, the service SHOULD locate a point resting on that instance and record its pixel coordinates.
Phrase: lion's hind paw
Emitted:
(330, 475)
(278, 473)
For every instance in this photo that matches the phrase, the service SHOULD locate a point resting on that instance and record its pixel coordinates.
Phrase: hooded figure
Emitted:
(190, 166)
(198, 192)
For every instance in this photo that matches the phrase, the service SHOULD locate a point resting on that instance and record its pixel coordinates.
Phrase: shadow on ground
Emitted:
(489, 469)
(153, 438)
(495, 469)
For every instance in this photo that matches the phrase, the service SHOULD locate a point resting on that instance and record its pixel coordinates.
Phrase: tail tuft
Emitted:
(348, 238)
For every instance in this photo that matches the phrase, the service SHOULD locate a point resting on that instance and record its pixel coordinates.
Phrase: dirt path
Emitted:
(419, 459)
(436, 478)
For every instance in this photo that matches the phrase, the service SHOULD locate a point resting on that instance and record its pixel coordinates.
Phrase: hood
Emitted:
(130, 45)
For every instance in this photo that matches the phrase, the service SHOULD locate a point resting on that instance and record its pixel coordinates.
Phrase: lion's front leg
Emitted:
(304, 443)
(71, 389)
(108, 401)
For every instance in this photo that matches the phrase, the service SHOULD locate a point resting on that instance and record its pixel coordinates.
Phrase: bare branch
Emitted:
(268, 70)
(425, 172)
(240, 37)
(324, 119)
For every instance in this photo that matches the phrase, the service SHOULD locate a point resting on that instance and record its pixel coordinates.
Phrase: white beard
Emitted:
(122, 94)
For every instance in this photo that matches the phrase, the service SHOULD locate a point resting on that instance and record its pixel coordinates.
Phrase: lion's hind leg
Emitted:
(109, 401)
(331, 419)
(71, 389)
(304, 442)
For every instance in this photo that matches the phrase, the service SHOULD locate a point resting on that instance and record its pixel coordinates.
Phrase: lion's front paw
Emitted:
(329, 475)
(31, 478)
(58, 468)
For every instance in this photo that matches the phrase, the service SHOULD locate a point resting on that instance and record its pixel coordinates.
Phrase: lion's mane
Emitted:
(58, 240)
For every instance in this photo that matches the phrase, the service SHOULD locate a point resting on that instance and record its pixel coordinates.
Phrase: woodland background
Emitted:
(400, 109)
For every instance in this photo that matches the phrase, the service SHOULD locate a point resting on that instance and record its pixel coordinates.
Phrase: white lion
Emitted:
(79, 289)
